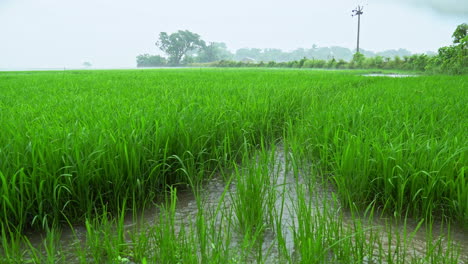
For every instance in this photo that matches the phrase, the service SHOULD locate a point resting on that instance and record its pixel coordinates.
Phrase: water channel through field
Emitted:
(290, 187)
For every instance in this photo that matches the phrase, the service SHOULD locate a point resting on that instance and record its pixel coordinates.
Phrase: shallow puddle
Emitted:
(391, 75)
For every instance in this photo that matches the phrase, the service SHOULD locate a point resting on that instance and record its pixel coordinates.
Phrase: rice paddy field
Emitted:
(232, 166)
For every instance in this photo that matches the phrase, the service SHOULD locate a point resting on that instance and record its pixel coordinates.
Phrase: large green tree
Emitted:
(453, 59)
(460, 32)
(176, 45)
(215, 51)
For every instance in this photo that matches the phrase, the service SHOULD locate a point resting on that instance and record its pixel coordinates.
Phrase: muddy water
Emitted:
(217, 196)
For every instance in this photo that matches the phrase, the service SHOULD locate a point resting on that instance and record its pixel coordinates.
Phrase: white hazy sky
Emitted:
(111, 33)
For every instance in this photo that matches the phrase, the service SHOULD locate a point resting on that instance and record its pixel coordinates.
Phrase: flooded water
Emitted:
(391, 75)
(217, 200)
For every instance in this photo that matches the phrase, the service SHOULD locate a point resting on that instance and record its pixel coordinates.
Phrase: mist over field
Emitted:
(57, 34)
(445, 7)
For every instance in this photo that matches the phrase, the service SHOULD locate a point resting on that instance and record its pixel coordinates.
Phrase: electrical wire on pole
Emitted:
(358, 12)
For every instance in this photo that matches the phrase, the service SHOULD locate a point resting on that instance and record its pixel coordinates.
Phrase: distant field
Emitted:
(73, 142)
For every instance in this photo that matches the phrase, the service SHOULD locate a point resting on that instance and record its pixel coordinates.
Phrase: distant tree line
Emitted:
(416, 62)
(314, 53)
(187, 48)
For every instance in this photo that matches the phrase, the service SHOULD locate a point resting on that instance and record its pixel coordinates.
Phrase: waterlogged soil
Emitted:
(217, 202)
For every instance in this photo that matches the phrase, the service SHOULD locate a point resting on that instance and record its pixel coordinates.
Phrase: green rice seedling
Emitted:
(105, 238)
(172, 244)
(51, 248)
(278, 209)
(253, 183)
(139, 244)
(308, 240)
(11, 246)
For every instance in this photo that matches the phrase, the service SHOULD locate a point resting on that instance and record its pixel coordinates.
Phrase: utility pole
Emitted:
(358, 12)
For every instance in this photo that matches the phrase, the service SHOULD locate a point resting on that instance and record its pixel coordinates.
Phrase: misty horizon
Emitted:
(57, 34)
